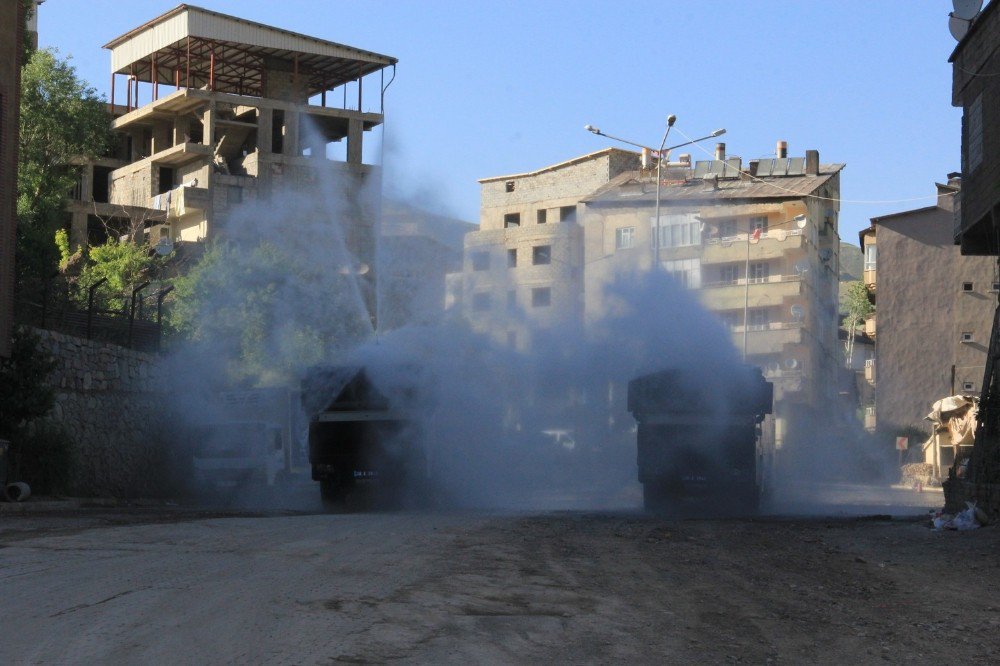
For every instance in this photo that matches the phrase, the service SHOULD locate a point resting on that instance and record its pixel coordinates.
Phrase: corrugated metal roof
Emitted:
(773, 187)
(167, 34)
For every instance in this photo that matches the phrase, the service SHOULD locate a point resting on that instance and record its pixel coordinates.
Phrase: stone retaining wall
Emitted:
(110, 399)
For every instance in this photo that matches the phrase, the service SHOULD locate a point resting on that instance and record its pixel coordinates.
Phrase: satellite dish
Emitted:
(791, 363)
(966, 9)
(801, 267)
(800, 221)
(798, 312)
(958, 27)
(825, 254)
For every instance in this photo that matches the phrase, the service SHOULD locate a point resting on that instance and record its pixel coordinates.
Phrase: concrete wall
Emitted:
(921, 312)
(10, 87)
(976, 61)
(110, 400)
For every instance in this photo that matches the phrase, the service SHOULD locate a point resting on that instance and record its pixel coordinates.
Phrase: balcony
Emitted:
(769, 292)
(768, 339)
(181, 201)
(870, 326)
(870, 418)
(868, 276)
(870, 371)
(772, 245)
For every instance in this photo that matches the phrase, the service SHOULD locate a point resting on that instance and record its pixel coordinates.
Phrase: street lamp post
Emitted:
(661, 155)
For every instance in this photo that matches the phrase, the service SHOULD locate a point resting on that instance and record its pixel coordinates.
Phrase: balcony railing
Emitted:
(870, 326)
(181, 201)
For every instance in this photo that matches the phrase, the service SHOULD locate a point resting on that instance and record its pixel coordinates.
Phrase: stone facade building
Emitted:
(934, 310)
(527, 256)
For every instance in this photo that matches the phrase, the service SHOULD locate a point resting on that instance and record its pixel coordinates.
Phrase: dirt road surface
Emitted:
(180, 586)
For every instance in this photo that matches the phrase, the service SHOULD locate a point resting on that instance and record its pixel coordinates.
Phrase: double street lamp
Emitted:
(661, 156)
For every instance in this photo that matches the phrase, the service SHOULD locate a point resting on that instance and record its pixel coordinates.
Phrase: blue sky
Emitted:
(486, 89)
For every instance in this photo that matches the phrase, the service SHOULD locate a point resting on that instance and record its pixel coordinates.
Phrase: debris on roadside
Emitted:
(972, 517)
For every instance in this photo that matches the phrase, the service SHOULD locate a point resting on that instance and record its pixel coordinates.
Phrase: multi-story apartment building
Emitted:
(219, 111)
(525, 263)
(11, 48)
(934, 309)
(759, 244)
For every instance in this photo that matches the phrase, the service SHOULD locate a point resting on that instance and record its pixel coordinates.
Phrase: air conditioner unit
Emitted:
(798, 312)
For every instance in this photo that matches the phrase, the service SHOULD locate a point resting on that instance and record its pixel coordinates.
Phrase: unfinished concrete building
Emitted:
(214, 111)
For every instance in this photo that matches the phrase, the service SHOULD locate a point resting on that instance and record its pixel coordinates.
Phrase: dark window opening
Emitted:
(100, 186)
(235, 195)
(511, 220)
(509, 186)
(541, 297)
(166, 180)
(967, 336)
(512, 300)
(966, 286)
(968, 386)
(278, 131)
(540, 216)
(541, 254)
(512, 258)
(567, 214)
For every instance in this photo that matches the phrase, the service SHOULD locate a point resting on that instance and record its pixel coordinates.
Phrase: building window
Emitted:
(758, 223)
(512, 258)
(624, 238)
(567, 214)
(758, 319)
(870, 257)
(686, 271)
(541, 254)
(730, 320)
(481, 301)
(540, 216)
(509, 186)
(759, 272)
(541, 297)
(995, 286)
(677, 230)
(974, 131)
(511, 300)
(480, 261)
(966, 286)
(730, 274)
(727, 228)
(968, 386)
(967, 336)
(235, 195)
(511, 220)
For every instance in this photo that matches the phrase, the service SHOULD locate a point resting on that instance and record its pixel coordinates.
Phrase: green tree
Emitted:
(123, 266)
(857, 304)
(263, 314)
(62, 118)
(24, 393)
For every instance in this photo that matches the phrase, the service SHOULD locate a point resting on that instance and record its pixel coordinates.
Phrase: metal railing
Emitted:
(132, 319)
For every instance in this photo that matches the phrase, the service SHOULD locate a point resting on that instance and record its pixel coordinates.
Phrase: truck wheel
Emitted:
(332, 494)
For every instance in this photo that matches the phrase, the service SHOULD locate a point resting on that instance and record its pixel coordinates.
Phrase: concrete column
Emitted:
(78, 232)
(182, 128)
(87, 183)
(355, 130)
(291, 132)
(264, 129)
(208, 123)
(162, 137)
(136, 136)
